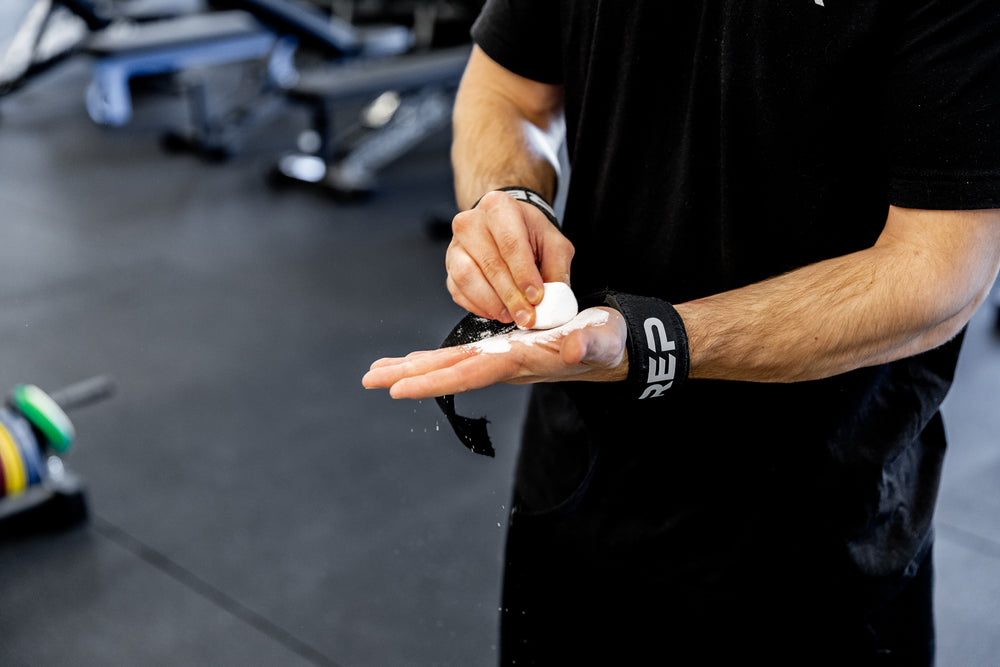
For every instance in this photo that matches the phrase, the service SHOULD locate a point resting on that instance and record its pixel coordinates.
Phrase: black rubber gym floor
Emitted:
(249, 502)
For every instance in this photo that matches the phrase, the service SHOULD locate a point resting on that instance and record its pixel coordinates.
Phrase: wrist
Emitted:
(656, 345)
(529, 196)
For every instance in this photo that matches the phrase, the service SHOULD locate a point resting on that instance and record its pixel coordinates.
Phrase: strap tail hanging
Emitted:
(471, 431)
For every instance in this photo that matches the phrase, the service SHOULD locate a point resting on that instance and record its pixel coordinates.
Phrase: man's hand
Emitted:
(590, 348)
(501, 253)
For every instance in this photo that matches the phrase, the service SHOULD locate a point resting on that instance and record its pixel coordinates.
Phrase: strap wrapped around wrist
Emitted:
(531, 197)
(658, 360)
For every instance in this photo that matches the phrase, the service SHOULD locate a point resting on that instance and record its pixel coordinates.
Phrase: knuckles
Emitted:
(508, 244)
(461, 269)
(565, 246)
(492, 266)
(495, 199)
(463, 222)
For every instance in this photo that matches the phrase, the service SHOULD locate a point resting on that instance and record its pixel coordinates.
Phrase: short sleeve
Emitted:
(523, 36)
(943, 106)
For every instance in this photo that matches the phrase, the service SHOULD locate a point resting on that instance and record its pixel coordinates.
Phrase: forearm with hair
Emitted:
(501, 140)
(873, 306)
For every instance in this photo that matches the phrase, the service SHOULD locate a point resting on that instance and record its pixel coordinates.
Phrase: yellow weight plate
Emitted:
(15, 476)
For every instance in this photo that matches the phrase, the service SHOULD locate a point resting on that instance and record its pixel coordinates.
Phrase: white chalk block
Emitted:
(558, 306)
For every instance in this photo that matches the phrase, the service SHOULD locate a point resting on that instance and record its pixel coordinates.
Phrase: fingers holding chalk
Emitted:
(557, 307)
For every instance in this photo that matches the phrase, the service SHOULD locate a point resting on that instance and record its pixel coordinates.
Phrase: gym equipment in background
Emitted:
(129, 39)
(314, 58)
(52, 31)
(325, 33)
(164, 47)
(413, 98)
(37, 491)
(407, 72)
(253, 32)
(409, 98)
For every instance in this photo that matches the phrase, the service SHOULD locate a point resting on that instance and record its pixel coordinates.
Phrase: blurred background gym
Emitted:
(216, 215)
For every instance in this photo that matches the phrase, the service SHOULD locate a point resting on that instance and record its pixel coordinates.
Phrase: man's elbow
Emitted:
(953, 310)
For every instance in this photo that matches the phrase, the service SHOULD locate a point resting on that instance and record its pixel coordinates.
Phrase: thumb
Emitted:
(595, 346)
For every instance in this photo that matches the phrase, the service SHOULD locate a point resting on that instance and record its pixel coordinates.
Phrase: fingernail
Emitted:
(522, 318)
(533, 294)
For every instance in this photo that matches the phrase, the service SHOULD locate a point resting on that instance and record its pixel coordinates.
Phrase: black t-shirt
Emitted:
(725, 142)
(714, 144)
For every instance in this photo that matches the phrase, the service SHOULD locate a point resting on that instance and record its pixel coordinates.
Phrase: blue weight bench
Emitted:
(268, 32)
(165, 47)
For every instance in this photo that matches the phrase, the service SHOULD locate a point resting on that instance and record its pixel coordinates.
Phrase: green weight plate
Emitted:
(45, 415)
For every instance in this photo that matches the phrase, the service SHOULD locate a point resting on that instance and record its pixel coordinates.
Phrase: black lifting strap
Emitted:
(471, 431)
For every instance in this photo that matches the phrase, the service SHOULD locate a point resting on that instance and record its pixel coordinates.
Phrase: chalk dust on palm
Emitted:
(502, 343)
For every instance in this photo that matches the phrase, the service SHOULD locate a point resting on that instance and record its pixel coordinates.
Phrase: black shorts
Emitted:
(597, 573)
